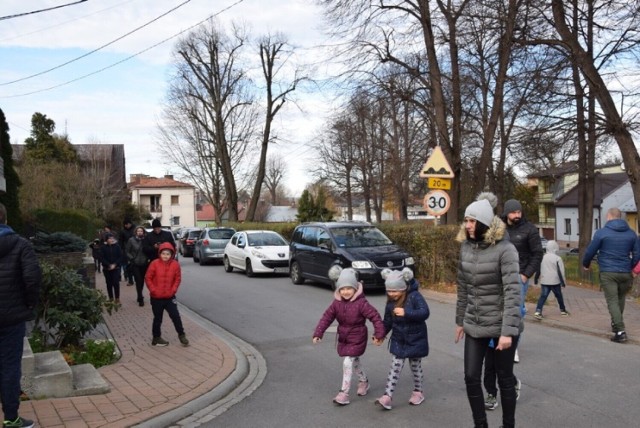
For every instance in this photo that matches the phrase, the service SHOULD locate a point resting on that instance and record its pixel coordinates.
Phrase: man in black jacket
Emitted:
(526, 238)
(125, 234)
(20, 278)
(156, 237)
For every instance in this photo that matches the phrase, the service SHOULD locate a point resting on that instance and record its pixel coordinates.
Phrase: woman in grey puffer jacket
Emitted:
(488, 306)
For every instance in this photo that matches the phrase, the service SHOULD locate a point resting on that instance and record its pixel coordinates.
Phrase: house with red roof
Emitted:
(171, 201)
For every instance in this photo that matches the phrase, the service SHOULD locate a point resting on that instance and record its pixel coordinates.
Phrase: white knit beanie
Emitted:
(481, 211)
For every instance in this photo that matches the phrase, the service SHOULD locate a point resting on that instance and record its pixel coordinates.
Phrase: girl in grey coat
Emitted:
(488, 306)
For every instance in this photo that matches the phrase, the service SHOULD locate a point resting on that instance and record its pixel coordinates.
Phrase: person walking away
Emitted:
(156, 237)
(552, 279)
(351, 310)
(405, 316)
(488, 307)
(20, 281)
(163, 280)
(125, 234)
(618, 249)
(525, 237)
(111, 256)
(137, 261)
(95, 253)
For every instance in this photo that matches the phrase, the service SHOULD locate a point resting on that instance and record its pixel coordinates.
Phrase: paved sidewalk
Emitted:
(146, 381)
(588, 311)
(149, 383)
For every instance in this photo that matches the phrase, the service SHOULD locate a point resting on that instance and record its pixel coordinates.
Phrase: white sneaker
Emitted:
(516, 357)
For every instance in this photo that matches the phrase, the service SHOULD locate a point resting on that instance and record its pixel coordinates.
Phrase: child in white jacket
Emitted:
(552, 279)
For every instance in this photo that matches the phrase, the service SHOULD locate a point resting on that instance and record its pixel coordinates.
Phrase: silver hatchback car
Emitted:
(209, 246)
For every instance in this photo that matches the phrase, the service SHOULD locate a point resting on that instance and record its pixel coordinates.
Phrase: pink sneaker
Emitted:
(384, 401)
(363, 388)
(342, 398)
(417, 397)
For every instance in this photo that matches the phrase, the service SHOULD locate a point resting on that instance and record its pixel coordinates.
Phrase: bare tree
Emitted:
(272, 50)
(210, 115)
(276, 171)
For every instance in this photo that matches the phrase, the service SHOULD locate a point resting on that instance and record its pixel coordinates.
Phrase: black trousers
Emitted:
(139, 271)
(158, 306)
(475, 350)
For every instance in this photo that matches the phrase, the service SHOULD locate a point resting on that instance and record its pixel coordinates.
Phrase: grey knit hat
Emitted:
(396, 280)
(344, 277)
(481, 211)
(512, 205)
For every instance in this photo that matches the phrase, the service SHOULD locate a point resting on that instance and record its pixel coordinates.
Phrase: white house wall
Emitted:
(185, 209)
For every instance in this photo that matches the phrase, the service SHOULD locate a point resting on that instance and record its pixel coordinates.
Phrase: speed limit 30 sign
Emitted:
(437, 202)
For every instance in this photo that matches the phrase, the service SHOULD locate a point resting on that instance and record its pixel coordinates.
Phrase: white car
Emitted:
(257, 251)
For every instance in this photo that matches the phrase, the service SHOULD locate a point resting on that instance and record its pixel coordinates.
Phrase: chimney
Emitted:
(168, 176)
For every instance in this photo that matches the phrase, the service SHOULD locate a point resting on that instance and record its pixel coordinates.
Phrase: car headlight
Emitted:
(361, 265)
(258, 254)
(409, 261)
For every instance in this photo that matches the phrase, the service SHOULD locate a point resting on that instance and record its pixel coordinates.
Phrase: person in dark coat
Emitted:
(157, 236)
(137, 261)
(404, 316)
(20, 280)
(111, 255)
(125, 234)
(617, 248)
(95, 253)
(351, 309)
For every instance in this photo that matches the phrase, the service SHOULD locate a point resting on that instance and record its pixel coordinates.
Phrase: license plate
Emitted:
(217, 256)
(281, 270)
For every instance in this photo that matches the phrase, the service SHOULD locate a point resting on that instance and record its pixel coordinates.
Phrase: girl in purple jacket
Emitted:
(351, 309)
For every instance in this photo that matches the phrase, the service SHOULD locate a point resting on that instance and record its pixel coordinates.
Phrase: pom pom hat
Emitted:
(481, 211)
(396, 280)
(344, 277)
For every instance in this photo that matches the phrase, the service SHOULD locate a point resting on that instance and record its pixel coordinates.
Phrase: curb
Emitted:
(248, 375)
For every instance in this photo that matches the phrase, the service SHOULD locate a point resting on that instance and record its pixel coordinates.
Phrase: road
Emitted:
(569, 379)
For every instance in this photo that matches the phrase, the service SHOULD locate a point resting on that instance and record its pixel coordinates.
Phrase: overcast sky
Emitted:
(122, 104)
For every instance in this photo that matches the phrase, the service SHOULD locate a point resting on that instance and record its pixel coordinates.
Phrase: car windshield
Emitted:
(221, 233)
(265, 240)
(193, 234)
(353, 237)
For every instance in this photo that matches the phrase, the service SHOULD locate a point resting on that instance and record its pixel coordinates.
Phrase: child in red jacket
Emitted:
(163, 279)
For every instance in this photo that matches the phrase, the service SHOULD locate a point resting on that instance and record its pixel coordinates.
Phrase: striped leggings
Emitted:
(349, 366)
(394, 374)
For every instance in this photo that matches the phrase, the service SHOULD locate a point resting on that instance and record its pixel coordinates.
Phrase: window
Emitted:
(310, 236)
(175, 200)
(175, 220)
(567, 226)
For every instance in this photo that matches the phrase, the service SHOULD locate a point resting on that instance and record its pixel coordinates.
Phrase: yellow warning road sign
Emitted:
(437, 166)
(439, 183)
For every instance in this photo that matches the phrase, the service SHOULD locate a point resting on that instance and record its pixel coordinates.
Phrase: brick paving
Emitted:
(146, 381)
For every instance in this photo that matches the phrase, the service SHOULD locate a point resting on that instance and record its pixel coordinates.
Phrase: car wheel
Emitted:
(249, 269)
(227, 265)
(195, 259)
(202, 262)
(295, 274)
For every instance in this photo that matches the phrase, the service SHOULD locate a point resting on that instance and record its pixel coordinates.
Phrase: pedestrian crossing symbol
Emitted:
(437, 166)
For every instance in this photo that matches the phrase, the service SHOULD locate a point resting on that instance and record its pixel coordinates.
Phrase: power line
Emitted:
(41, 10)
(97, 49)
(18, 36)
(127, 58)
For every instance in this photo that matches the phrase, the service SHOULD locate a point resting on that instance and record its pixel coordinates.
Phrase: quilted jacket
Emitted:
(488, 284)
(351, 316)
(409, 337)
(163, 278)
(20, 278)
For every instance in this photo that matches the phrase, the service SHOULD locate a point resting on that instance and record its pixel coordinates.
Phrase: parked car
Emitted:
(187, 240)
(209, 246)
(316, 247)
(257, 251)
